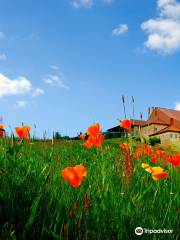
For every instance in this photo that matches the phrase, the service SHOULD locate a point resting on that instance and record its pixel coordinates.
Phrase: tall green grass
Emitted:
(37, 203)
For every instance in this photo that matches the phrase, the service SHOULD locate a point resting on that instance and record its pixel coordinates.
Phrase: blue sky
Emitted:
(64, 64)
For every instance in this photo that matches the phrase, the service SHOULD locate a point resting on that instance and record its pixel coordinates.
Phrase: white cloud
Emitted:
(177, 107)
(82, 3)
(3, 57)
(17, 86)
(54, 67)
(164, 31)
(37, 91)
(86, 3)
(122, 28)
(2, 35)
(55, 80)
(169, 8)
(21, 104)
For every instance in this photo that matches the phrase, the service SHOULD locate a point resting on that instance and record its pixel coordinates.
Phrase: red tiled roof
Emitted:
(164, 116)
(137, 122)
(167, 129)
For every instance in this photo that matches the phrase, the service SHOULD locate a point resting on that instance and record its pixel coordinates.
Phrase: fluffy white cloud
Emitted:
(122, 28)
(177, 107)
(3, 57)
(169, 8)
(21, 104)
(164, 31)
(18, 86)
(2, 35)
(55, 80)
(82, 3)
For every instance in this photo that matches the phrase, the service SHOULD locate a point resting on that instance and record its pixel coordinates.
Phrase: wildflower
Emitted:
(82, 136)
(74, 175)
(23, 132)
(127, 163)
(159, 153)
(160, 175)
(157, 173)
(126, 124)
(153, 159)
(174, 159)
(2, 130)
(94, 130)
(88, 144)
(125, 147)
(95, 136)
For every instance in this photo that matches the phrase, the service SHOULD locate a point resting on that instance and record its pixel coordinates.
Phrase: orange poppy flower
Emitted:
(94, 129)
(82, 136)
(126, 124)
(96, 140)
(158, 176)
(95, 136)
(2, 130)
(74, 175)
(156, 172)
(145, 165)
(88, 144)
(23, 132)
(153, 159)
(174, 159)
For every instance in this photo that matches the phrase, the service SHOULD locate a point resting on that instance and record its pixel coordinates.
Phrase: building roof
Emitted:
(2, 129)
(134, 122)
(137, 122)
(164, 116)
(167, 129)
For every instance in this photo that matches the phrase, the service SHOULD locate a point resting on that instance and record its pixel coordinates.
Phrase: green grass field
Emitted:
(37, 203)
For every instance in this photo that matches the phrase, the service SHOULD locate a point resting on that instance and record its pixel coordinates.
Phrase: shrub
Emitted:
(154, 140)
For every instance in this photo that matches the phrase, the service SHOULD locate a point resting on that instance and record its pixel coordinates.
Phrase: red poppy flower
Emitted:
(174, 159)
(153, 159)
(74, 175)
(2, 130)
(95, 136)
(94, 129)
(23, 132)
(126, 124)
(82, 136)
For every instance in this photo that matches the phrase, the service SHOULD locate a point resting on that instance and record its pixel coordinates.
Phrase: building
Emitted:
(162, 123)
(120, 132)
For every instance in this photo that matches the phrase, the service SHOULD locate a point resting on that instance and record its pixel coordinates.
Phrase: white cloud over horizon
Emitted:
(55, 80)
(164, 31)
(122, 28)
(177, 106)
(18, 86)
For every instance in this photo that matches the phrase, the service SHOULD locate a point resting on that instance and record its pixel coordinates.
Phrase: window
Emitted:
(171, 135)
(155, 129)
